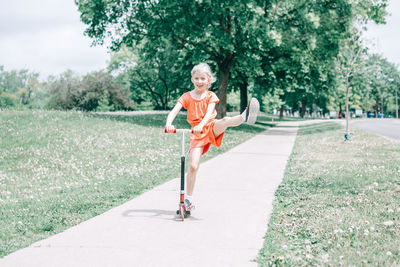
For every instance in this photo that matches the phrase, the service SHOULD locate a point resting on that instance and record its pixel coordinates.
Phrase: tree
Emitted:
(346, 65)
(17, 86)
(286, 45)
(382, 78)
(88, 93)
(396, 89)
(212, 31)
(63, 92)
(104, 103)
(308, 36)
(154, 74)
(305, 38)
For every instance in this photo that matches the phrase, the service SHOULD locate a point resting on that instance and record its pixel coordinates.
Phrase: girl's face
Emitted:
(200, 81)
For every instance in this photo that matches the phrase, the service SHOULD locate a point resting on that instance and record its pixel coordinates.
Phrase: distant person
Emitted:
(201, 115)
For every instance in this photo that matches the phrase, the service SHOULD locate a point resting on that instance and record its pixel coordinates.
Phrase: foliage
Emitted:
(63, 91)
(233, 101)
(157, 76)
(307, 38)
(17, 87)
(381, 75)
(104, 103)
(298, 64)
(375, 83)
(69, 91)
(282, 50)
(219, 32)
(272, 101)
(7, 100)
(151, 73)
(288, 46)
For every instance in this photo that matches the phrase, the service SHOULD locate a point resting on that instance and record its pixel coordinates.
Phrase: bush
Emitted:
(8, 100)
(95, 91)
(104, 103)
(233, 100)
(64, 92)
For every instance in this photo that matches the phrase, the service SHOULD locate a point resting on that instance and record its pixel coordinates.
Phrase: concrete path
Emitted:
(234, 194)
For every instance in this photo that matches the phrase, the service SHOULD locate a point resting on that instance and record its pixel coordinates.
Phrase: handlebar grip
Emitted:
(165, 130)
(180, 130)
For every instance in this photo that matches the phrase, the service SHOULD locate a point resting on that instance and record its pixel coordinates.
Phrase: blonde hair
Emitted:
(204, 68)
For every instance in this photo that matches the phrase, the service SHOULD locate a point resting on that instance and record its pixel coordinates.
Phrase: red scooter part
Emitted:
(182, 209)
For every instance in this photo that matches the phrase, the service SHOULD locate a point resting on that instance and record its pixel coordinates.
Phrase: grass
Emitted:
(58, 169)
(338, 203)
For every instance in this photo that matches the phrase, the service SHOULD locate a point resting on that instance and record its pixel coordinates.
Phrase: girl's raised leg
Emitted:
(221, 125)
(249, 115)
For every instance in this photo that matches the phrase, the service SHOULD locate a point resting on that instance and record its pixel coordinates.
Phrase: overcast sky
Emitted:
(46, 36)
(386, 37)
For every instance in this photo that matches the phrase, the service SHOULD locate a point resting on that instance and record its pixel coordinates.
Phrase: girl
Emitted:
(201, 114)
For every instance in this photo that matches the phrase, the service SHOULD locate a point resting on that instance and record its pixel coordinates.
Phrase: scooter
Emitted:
(182, 211)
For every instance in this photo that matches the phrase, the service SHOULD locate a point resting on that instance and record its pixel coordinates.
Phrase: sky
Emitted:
(385, 39)
(46, 36)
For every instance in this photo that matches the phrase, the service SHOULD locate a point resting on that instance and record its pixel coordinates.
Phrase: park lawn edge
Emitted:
(338, 203)
(46, 144)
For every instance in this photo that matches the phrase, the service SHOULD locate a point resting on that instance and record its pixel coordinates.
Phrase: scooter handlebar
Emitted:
(180, 131)
(165, 130)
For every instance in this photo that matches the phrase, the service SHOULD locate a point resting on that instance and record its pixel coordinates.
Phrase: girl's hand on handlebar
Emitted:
(169, 129)
(197, 129)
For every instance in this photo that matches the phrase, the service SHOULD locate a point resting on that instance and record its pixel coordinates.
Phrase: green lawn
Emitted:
(338, 203)
(58, 169)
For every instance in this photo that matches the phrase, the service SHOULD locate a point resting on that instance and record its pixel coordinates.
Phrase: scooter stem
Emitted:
(182, 195)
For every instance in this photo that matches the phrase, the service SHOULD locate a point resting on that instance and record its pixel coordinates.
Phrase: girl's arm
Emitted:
(171, 116)
(206, 118)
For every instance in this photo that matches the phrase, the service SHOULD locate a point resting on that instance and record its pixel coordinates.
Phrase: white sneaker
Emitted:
(252, 111)
(189, 205)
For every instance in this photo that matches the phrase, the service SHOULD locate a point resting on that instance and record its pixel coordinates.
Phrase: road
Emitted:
(386, 127)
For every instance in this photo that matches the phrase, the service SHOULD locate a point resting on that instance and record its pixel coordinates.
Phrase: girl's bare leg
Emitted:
(195, 154)
(221, 125)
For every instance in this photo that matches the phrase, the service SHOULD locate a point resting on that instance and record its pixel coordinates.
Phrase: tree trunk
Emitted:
(243, 94)
(282, 108)
(397, 106)
(223, 81)
(347, 109)
(303, 107)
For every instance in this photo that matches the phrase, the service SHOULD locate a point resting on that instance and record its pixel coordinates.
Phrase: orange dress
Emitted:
(196, 110)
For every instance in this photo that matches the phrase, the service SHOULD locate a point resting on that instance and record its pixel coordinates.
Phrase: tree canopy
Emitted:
(281, 51)
(280, 45)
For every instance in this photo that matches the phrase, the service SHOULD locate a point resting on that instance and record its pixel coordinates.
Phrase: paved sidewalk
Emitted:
(234, 194)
